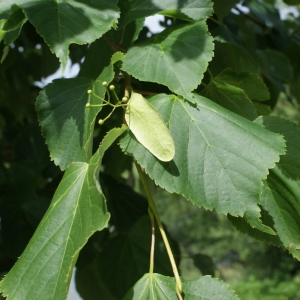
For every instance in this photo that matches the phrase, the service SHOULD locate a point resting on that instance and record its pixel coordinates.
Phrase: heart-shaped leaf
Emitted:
(209, 167)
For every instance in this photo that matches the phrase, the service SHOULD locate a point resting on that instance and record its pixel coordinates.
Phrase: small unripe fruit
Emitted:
(101, 122)
(104, 83)
(88, 105)
(127, 111)
(111, 87)
(124, 99)
(89, 91)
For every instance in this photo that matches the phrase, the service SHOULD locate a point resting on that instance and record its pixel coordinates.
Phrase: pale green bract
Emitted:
(149, 128)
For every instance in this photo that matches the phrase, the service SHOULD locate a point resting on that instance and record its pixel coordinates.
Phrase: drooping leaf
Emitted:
(153, 286)
(207, 288)
(251, 84)
(280, 199)
(77, 210)
(66, 123)
(230, 97)
(186, 10)
(149, 128)
(176, 58)
(130, 254)
(209, 167)
(62, 23)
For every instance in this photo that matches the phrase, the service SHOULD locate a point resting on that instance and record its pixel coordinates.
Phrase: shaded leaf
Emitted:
(230, 97)
(178, 57)
(77, 210)
(130, 255)
(207, 288)
(204, 263)
(224, 177)
(228, 55)
(182, 9)
(13, 25)
(222, 8)
(66, 123)
(97, 58)
(153, 286)
(62, 23)
(276, 64)
(89, 285)
(124, 204)
(251, 84)
(262, 109)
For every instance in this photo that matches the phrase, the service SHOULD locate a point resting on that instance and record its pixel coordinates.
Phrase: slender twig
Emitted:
(146, 93)
(162, 231)
(122, 35)
(151, 268)
(113, 44)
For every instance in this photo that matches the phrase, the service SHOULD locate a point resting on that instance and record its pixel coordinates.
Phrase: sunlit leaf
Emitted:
(153, 286)
(224, 177)
(65, 22)
(149, 128)
(182, 9)
(77, 210)
(207, 288)
(176, 58)
(280, 197)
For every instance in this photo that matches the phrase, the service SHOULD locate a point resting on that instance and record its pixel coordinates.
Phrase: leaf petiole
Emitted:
(152, 206)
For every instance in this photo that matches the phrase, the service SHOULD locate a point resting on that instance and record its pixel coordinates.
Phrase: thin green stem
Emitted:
(215, 20)
(162, 231)
(210, 74)
(151, 268)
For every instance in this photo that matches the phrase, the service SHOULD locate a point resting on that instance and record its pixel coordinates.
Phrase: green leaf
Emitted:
(220, 157)
(251, 84)
(182, 9)
(14, 24)
(228, 55)
(176, 58)
(149, 128)
(276, 64)
(230, 97)
(89, 285)
(222, 8)
(130, 254)
(124, 204)
(153, 286)
(77, 210)
(62, 23)
(281, 197)
(66, 123)
(97, 58)
(207, 288)
(204, 263)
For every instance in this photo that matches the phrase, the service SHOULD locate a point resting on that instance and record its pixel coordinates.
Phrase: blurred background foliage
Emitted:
(206, 242)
